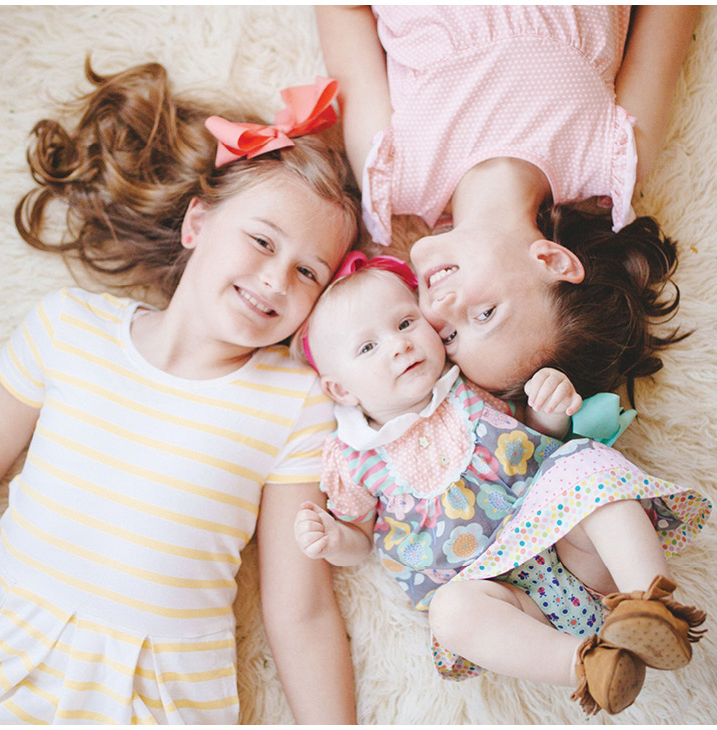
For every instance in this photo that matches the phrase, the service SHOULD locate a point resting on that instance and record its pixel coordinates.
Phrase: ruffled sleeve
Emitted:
(377, 175)
(624, 169)
(347, 500)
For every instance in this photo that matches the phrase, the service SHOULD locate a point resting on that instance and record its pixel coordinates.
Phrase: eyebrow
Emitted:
(271, 224)
(281, 232)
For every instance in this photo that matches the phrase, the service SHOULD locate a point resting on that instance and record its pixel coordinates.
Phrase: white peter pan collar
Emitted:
(354, 430)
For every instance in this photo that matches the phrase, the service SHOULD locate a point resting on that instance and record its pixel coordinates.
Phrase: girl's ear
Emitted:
(561, 263)
(192, 223)
(337, 392)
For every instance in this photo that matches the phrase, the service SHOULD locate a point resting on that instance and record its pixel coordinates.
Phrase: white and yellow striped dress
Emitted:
(122, 538)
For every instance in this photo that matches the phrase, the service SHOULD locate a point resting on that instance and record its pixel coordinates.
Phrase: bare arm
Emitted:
(320, 535)
(656, 47)
(552, 400)
(17, 423)
(354, 56)
(305, 629)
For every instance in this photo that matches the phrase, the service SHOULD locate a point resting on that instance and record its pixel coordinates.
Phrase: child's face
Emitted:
(374, 349)
(260, 261)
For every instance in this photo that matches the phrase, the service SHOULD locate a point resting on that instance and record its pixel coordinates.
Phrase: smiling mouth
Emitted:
(410, 368)
(440, 274)
(255, 303)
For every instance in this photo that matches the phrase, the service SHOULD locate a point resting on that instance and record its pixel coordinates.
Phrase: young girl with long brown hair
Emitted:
(155, 433)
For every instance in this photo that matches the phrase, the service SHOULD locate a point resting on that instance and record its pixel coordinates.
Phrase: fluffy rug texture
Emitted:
(248, 54)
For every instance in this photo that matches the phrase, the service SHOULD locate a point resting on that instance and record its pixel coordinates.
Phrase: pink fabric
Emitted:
(469, 83)
(431, 454)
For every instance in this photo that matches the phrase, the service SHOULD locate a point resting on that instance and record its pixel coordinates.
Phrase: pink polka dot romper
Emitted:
(471, 83)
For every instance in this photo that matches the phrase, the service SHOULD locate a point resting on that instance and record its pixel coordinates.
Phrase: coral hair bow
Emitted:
(308, 109)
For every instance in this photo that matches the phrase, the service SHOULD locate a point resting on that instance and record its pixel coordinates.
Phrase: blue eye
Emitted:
(404, 323)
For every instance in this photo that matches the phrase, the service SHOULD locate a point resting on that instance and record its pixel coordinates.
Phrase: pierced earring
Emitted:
(187, 240)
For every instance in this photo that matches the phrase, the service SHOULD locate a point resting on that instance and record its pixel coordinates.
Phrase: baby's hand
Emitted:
(315, 530)
(551, 391)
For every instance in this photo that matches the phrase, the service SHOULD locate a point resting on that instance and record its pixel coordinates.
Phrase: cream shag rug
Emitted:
(250, 53)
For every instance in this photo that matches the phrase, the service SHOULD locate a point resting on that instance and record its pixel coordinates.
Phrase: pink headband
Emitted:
(308, 109)
(354, 261)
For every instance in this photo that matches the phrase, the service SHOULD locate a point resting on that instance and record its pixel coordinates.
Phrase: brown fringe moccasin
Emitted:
(652, 625)
(610, 677)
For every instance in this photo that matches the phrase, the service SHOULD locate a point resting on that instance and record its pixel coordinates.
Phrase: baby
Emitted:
(385, 367)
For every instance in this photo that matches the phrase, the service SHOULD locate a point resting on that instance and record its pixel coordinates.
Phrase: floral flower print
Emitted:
(546, 448)
(458, 501)
(425, 602)
(514, 451)
(397, 534)
(400, 504)
(439, 576)
(415, 551)
(484, 464)
(397, 570)
(518, 487)
(464, 543)
(493, 500)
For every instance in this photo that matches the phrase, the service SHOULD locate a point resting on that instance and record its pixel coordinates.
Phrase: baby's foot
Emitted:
(610, 677)
(652, 625)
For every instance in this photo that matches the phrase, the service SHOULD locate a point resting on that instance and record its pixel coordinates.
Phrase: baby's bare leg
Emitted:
(497, 626)
(614, 548)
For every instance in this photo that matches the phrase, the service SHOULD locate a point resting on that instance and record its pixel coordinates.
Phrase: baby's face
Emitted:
(377, 347)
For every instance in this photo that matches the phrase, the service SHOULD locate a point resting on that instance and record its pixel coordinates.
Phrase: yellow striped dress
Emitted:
(122, 538)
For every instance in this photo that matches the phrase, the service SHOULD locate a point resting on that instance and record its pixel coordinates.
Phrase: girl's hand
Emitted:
(551, 391)
(316, 531)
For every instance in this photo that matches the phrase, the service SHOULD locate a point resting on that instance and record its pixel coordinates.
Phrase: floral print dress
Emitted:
(464, 491)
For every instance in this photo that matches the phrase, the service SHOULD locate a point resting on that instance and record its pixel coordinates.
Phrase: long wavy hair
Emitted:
(129, 167)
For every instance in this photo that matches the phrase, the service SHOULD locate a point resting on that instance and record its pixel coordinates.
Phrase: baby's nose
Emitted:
(402, 344)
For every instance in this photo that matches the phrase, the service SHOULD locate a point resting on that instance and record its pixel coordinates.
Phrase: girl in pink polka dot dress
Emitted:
(453, 490)
(494, 120)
